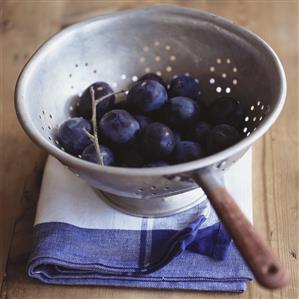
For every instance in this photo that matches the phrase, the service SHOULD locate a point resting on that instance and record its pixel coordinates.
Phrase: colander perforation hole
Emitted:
(76, 65)
(235, 69)
(86, 64)
(156, 43)
(212, 81)
(218, 60)
(50, 138)
(70, 75)
(142, 59)
(218, 89)
(49, 127)
(167, 47)
(123, 76)
(172, 58)
(159, 73)
(94, 71)
(212, 69)
(153, 187)
(134, 78)
(235, 81)
(227, 90)
(147, 69)
(51, 116)
(40, 117)
(252, 107)
(168, 69)
(245, 129)
(43, 128)
(246, 118)
(145, 48)
(157, 58)
(224, 75)
(228, 61)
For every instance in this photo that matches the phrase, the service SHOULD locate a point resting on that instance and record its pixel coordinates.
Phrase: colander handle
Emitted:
(265, 266)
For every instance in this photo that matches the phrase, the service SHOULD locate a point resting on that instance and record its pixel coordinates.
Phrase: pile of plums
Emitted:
(156, 125)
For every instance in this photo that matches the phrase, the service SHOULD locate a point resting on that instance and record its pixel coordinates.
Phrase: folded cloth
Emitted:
(80, 240)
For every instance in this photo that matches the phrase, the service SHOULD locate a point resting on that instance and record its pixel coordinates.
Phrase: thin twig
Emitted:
(94, 138)
(90, 136)
(109, 95)
(94, 124)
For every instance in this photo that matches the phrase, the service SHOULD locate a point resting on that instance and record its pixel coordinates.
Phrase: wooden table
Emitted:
(25, 25)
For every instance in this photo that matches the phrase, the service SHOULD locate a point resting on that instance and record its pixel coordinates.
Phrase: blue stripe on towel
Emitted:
(66, 254)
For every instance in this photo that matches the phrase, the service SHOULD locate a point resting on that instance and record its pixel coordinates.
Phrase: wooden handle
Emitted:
(265, 266)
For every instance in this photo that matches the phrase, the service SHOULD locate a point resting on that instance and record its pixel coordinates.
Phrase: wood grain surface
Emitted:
(25, 24)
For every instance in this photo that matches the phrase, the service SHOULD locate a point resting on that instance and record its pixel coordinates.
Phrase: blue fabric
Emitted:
(198, 257)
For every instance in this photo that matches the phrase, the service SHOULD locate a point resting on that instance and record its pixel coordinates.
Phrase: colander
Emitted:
(119, 48)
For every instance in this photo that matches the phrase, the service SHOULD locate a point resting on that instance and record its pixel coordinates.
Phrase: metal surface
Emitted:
(156, 206)
(226, 59)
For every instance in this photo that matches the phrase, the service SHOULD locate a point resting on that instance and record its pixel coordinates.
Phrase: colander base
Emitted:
(154, 207)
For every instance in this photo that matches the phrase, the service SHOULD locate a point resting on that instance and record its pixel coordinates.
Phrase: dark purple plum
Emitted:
(131, 158)
(226, 110)
(72, 137)
(90, 154)
(199, 132)
(152, 76)
(119, 128)
(147, 96)
(158, 141)
(101, 89)
(177, 136)
(184, 86)
(155, 163)
(180, 111)
(221, 137)
(186, 151)
(143, 121)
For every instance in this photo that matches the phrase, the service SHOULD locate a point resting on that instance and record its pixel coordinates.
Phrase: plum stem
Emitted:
(90, 136)
(94, 125)
(94, 137)
(108, 95)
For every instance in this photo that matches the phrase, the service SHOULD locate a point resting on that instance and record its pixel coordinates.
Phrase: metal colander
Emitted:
(118, 49)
